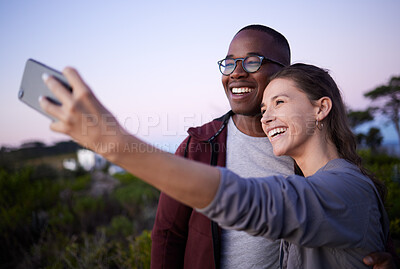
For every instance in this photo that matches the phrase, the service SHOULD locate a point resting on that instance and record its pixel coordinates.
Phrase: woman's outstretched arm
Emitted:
(90, 124)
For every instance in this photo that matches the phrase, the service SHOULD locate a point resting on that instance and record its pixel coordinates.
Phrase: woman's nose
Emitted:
(267, 117)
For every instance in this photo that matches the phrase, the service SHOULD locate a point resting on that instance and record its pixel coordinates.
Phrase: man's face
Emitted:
(249, 87)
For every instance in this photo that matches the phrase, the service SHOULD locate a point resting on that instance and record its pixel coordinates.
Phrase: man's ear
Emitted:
(324, 106)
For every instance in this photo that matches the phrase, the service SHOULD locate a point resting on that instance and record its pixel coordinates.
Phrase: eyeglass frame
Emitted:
(262, 59)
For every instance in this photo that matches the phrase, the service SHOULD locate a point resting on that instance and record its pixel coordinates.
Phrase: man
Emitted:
(183, 238)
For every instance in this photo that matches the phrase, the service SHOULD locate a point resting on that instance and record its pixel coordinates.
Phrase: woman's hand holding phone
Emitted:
(81, 115)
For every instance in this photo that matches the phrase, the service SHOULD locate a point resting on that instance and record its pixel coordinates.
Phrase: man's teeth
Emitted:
(241, 90)
(276, 131)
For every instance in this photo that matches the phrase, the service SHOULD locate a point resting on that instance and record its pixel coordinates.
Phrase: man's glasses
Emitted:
(250, 64)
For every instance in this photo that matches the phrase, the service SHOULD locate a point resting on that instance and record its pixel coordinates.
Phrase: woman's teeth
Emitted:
(276, 131)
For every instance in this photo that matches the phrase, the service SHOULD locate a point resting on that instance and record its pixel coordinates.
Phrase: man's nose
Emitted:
(239, 71)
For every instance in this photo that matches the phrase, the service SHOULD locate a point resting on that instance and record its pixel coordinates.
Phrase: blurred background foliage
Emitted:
(387, 169)
(52, 218)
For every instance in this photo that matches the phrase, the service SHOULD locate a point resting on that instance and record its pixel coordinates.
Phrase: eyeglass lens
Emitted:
(250, 64)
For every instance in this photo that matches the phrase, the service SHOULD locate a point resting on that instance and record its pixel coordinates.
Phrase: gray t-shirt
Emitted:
(250, 156)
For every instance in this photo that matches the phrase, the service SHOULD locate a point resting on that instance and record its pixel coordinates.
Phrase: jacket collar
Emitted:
(209, 131)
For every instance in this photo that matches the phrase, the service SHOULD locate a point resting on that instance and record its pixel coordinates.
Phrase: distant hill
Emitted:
(35, 150)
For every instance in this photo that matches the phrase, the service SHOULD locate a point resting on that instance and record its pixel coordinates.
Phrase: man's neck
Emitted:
(250, 125)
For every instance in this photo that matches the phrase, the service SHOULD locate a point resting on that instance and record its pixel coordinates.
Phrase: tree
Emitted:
(389, 97)
(358, 117)
(360, 138)
(373, 139)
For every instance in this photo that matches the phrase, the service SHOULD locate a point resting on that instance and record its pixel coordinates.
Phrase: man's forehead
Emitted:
(252, 35)
(251, 41)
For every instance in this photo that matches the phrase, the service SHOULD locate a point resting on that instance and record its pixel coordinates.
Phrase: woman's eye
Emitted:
(277, 102)
(262, 111)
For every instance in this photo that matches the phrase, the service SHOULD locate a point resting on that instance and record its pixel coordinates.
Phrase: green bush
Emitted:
(134, 191)
(142, 250)
(47, 221)
(386, 168)
(136, 254)
(80, 183)
(87, 251)
(136, 197)
(24, 202)
(85, 205)
(120, 226)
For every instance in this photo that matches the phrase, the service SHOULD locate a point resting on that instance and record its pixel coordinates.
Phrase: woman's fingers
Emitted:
(73, 104)
(76, 81)
(59, 127)
(59, 90)
(81, 115)
(82, 93)
(50, 108)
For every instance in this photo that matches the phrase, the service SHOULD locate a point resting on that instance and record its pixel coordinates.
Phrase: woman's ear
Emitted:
(324, 105)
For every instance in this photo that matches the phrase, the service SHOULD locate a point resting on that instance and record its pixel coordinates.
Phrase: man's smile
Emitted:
(241, 90)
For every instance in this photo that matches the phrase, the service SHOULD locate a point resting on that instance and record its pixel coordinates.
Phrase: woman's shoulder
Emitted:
(343, 173)
(343, 167)
(339, 165)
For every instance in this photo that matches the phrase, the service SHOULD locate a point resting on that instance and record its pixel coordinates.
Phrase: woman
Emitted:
(323, 216)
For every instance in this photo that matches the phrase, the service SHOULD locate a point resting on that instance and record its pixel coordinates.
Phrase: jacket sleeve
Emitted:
(169, 234)
(322, 210)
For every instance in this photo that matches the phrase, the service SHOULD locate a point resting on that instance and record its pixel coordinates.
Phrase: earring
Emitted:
(319, 126)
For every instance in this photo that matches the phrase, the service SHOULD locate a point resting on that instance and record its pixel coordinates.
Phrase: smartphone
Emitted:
(32, 85)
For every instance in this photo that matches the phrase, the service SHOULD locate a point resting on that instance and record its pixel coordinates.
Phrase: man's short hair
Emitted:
(279, 39)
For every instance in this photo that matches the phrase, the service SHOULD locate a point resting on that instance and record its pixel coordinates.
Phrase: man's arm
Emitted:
(384, 260)
(380, 260)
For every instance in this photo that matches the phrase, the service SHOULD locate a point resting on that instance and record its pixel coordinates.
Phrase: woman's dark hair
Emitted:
(317, 83)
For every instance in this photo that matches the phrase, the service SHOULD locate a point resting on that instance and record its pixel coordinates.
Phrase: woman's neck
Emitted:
(311, 160)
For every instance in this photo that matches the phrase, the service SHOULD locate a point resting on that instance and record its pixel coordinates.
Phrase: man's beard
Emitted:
(248, 114)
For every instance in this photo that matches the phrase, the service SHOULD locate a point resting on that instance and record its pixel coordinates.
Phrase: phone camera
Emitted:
(20, 93)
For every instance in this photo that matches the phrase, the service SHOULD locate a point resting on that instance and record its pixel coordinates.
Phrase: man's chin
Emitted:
(246, 113)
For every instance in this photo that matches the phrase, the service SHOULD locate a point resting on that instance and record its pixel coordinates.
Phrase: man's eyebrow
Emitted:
(249, 53)
(254, 53)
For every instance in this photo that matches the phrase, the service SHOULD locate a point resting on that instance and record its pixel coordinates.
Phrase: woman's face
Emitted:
(288, 118)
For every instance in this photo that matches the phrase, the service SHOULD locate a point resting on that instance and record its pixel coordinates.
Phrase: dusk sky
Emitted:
(154, 63)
